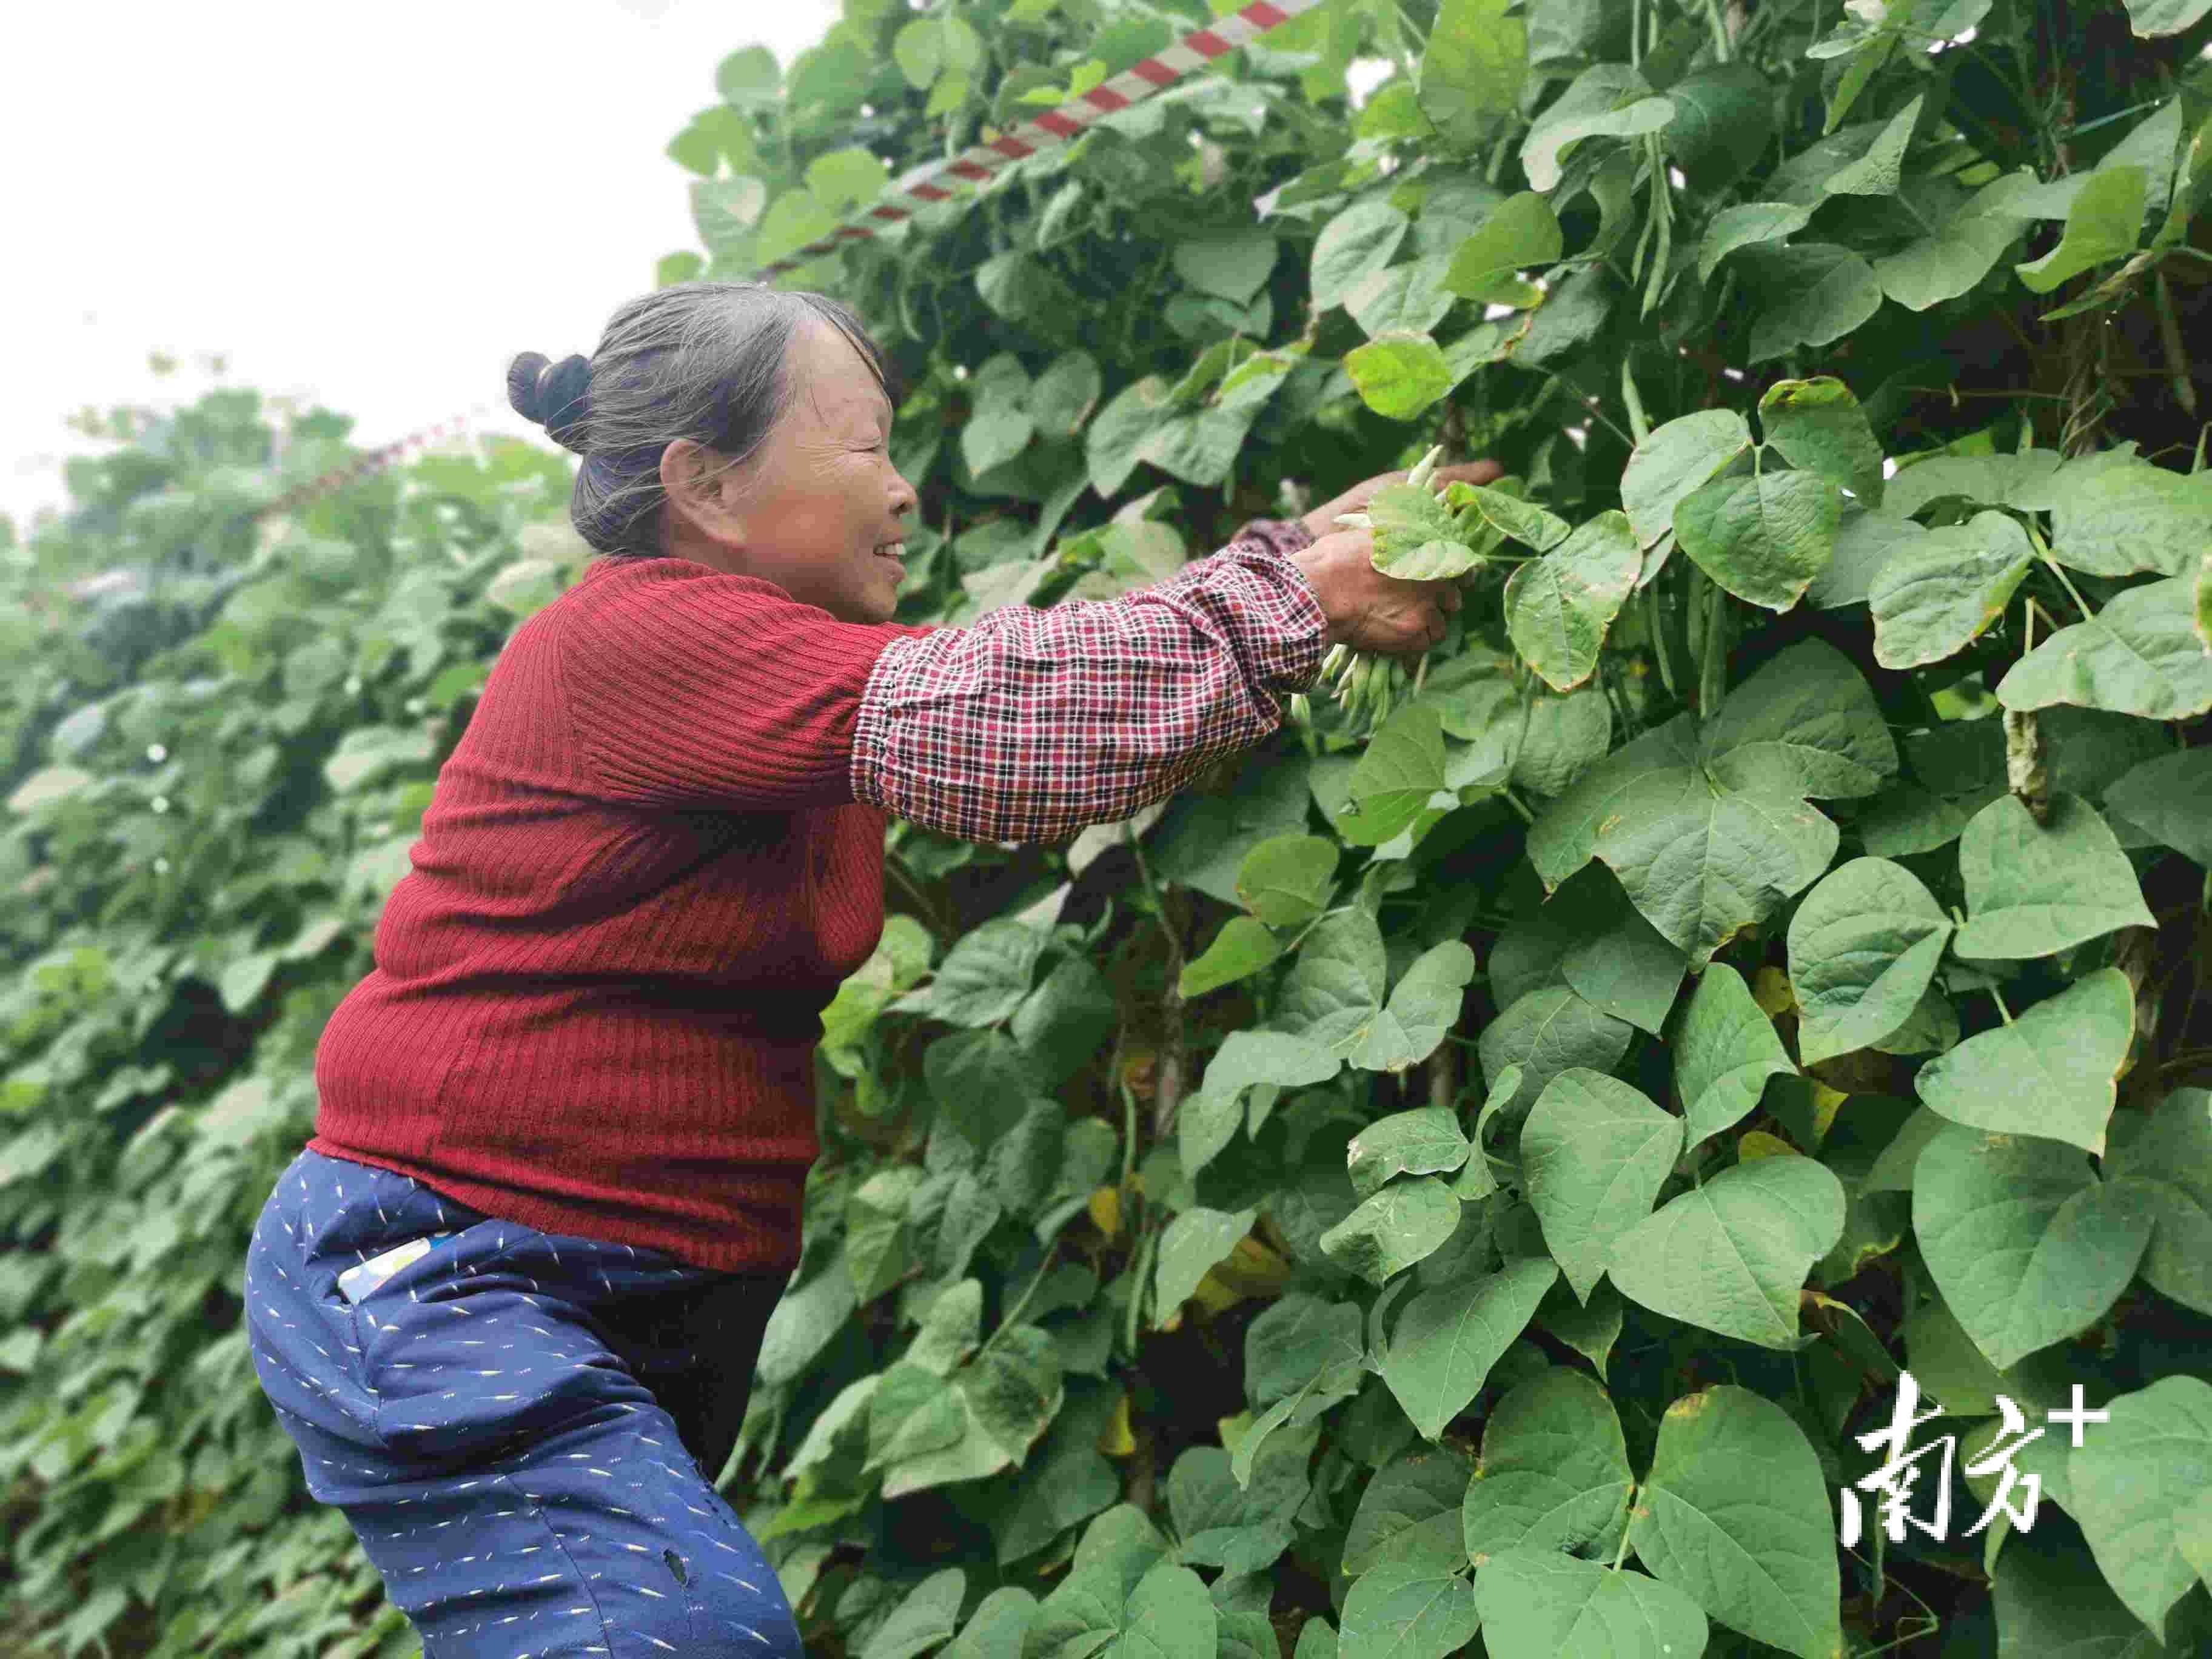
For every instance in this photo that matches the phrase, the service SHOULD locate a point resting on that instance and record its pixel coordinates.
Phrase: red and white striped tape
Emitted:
(375, 461)
(941, 180)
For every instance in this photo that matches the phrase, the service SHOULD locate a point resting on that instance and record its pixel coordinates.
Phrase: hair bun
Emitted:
(556, 396)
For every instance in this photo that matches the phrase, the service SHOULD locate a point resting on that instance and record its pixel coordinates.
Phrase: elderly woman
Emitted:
(509, 1298)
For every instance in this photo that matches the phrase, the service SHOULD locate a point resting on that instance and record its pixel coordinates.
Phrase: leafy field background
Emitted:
(1462, 1177)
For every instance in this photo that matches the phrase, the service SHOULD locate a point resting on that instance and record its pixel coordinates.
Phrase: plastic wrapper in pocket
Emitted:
(357, 1281)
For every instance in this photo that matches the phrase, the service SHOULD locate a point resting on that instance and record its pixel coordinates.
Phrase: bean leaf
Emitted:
(1406, 1611)
(1819, 426)
(2103, 224)
(2131, 1482)
(1447, 1339)
(2032, 889)
(1554, 1471)
(1673, 463)
(1724, 1051)
(1409, 1513)
(1402, 1224)
(2139, 655)
(1732, 1255)
(2053, 1071)
(1559, 607)
(1764, 537)
(1556, 1604)
(2027, 1246)
(1593, 1153)
(1936, 594)
(2168, 1166)
(1735, 1513)
(1427, 1140)
(1863, 948)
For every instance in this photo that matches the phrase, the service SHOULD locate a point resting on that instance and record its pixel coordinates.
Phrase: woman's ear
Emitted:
(699, 493)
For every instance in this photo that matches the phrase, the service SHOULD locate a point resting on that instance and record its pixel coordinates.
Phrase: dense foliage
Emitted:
(1463, 1180)
(217, 736)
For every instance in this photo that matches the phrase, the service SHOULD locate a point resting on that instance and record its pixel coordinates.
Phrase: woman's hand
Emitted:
(1367, 609)
(1322, 521)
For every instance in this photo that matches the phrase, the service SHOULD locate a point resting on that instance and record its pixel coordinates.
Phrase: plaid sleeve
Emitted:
(1028, 724)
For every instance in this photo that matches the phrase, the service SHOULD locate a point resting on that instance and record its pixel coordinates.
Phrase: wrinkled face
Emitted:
(817, 508)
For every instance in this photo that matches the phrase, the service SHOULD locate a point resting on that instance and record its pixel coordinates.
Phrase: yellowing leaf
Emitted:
(1827, 1102)
(1758, 1143)
(1114, 1439)
(1105, 1209)
(1770, 990)
(1253, 1269)
(1214, 1294)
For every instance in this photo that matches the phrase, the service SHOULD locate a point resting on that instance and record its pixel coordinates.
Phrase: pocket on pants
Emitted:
(471, 1352)
(304, 1341)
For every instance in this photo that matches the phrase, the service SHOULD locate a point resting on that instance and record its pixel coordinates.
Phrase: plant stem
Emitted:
(2043, 552)
(1159, 904)
(1021, 1305)
(1621, 1554)
(1596, 412)
(1638, 422)
(1128, 1136)
(2176, 356)
(1713, 666)
(1652, 623)
(1514, 801)
(1144, 1271)
(1720, 30)
(1662, 207)
(896, 867)
(1997, 997)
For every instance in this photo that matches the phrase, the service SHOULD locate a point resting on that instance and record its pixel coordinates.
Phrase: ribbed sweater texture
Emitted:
(658, 850)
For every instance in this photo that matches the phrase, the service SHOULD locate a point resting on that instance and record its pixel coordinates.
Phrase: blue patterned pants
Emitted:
(523, 1427)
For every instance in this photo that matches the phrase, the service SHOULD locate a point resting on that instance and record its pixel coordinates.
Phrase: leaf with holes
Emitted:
(1554, 1471)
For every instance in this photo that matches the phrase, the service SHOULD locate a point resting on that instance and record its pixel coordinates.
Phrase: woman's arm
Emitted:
(688, 688)
(1029, 724)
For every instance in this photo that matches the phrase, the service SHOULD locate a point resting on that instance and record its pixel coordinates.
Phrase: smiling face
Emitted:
(816, 507)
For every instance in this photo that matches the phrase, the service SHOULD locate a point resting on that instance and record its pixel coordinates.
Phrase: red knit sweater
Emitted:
(657, 849)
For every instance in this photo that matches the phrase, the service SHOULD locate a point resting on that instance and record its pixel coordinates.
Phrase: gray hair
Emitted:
(703, 360)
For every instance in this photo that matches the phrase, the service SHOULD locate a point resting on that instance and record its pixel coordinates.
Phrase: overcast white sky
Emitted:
(373, 207)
